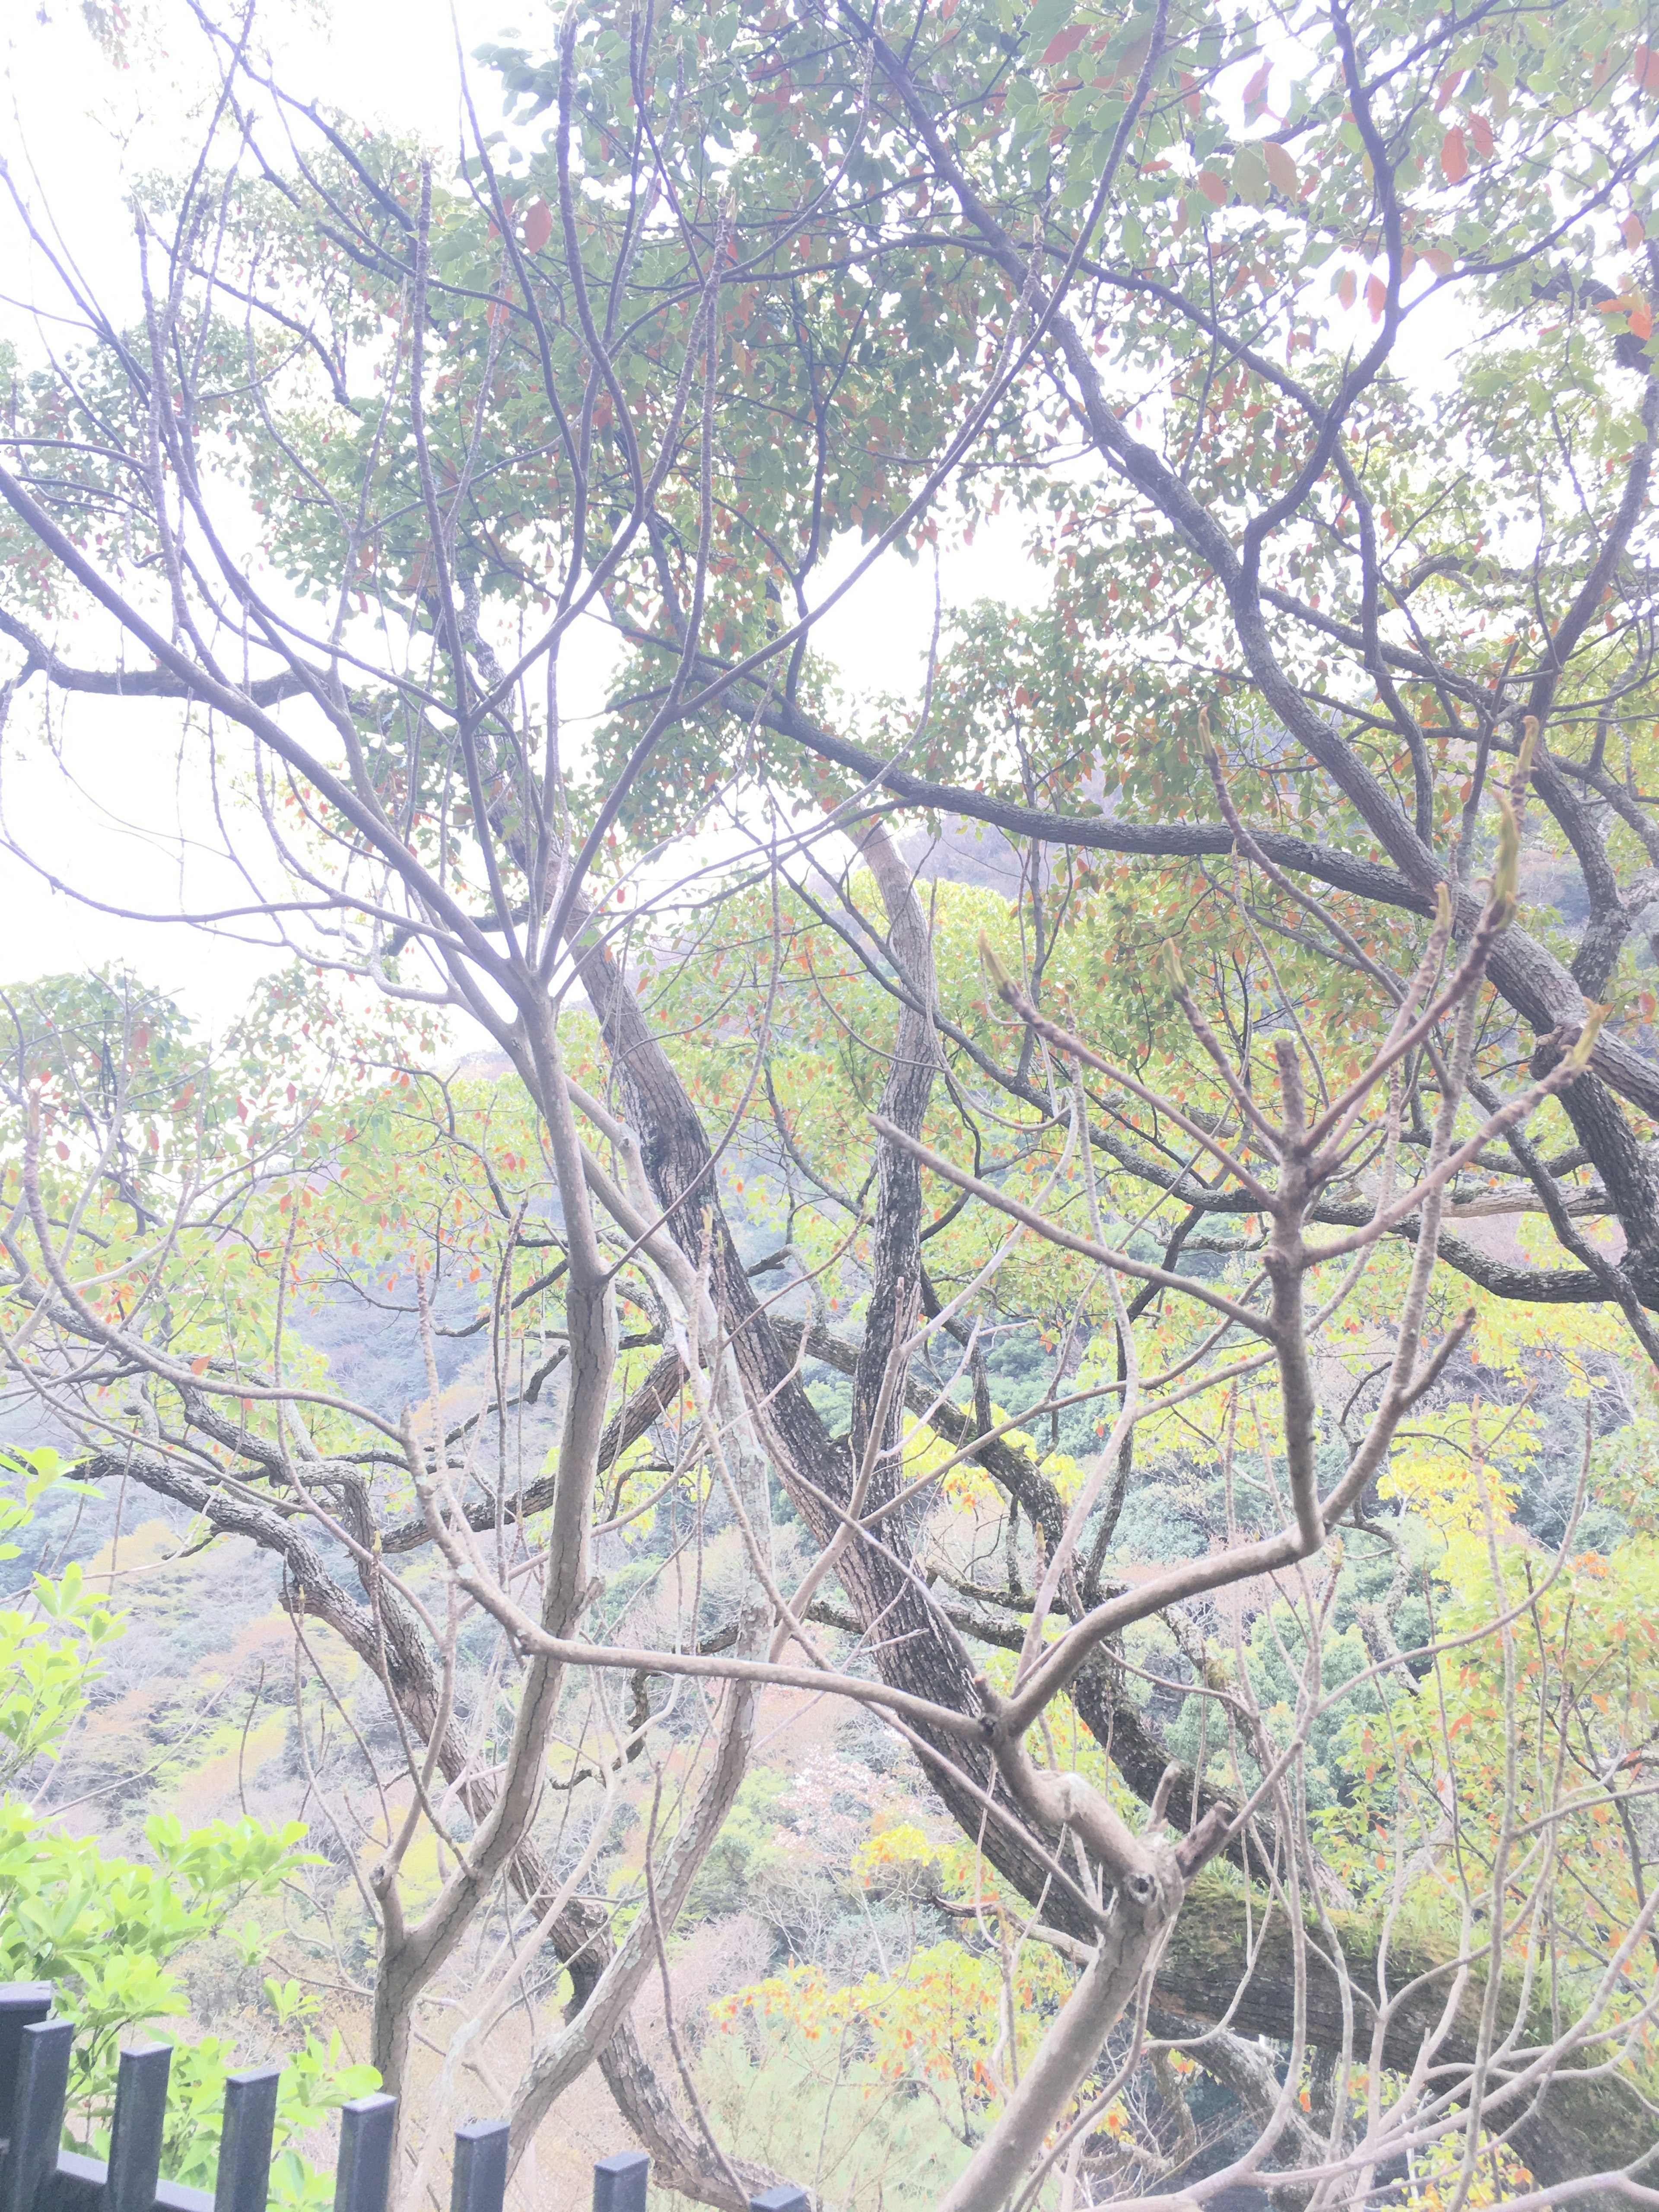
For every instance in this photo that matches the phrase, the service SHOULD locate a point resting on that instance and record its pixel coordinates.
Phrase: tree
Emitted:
(770, 279)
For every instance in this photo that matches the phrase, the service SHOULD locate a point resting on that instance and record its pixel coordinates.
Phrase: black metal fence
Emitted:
(36, 2175)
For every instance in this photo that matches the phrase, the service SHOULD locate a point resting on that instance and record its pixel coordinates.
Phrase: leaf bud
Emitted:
(1579, 1056)
(1529, 746)
(1506, 875)
(1000, 978)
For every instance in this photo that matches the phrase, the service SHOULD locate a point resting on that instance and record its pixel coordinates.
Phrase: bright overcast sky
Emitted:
(75, 131)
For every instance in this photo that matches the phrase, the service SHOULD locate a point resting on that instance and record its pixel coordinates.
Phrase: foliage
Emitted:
(49, 1647)
(109, 1933)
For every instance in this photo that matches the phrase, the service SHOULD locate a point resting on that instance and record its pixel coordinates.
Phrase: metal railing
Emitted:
(37, 2175)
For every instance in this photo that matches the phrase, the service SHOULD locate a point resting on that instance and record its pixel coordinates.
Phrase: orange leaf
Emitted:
(1064, 43)
(1454, 157)
(1212, 186)
(1377, 297)
(1257, 88)
(1644, 68)
(1480, 131)
(1282, 168)
(198, 1366)
(1641, 322)
(1346, 288)
(537, 225)
(1631, 231)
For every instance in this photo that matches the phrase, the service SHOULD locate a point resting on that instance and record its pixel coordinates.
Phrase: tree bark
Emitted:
(1585, 2121)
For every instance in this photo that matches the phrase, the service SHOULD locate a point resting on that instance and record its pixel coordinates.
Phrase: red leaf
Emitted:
(1281, 168)
(1645, 68)
(1454, 157)
(1212, 186)
(1257, 88)
(1631, 231)
(1064, 43)
(1641, 322)
(198, 1366)
(63, 1150)
(1377, 297)
(1480, 131)
(537, 225)
(1438, 259)
(1346, 288)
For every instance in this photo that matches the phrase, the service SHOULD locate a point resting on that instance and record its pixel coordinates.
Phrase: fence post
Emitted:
(243, 2180)
(34, 2068)
(40, 2090)
(364, 2175)
(480, 2182)
(786, 2198)
(619, 2182)
(135, 2132)
(22, 2004)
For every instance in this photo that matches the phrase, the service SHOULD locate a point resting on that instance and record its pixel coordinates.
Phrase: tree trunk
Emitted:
(1583, 2123)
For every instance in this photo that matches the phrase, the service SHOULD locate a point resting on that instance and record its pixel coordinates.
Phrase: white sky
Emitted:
(78, 132)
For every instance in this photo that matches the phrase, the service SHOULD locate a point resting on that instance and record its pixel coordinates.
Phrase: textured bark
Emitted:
(1585, 2121)
(914, 1650)
(1141, 1918)
(896, 1240)
(1140, 1756)
(1111, 1717)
